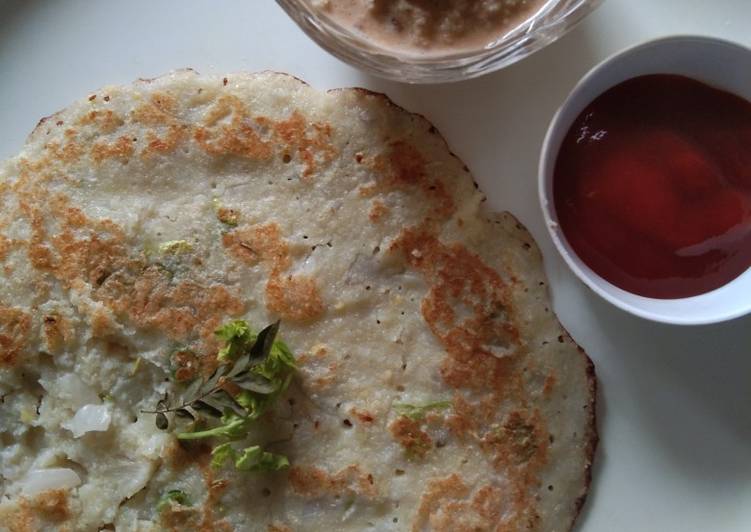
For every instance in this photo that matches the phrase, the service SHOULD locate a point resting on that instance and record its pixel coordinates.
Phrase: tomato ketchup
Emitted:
(652, 186)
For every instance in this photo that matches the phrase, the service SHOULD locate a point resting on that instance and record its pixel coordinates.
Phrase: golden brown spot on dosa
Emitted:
(5, 246)
(39, 512)
(238, 137)
(152, 300)
(278, 527)
(186, 365)
(259, 243)
(166, 144)
(52, 504)
(409, 434)
(461, 421)
(121, 148)
(364, 416)
(293, 133)
(448, 505)
(181, 455)
(549, 386)
(91, 255)
(293, 297)
(57, 332)
(517, 441)
(313, 482)
(228, 216)
(214, 490)
(467, 308)
(377, 211)
(403, 167)
(228, 128)
(15, 326)
(159, 110)
(102, 324)
(69, 152)
(106, 120)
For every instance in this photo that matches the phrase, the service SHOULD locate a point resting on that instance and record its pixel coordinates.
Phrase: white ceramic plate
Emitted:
(675, 406)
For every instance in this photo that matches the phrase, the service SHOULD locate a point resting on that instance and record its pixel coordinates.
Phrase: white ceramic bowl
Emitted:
(722, 64)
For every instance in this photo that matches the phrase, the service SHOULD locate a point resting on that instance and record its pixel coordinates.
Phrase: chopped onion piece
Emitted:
(89, 418)
(70, 390)
(54, 478)
(132, 477)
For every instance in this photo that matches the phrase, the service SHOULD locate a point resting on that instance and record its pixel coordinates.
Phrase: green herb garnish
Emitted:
(417, 412)
(172, 497)
(261, 367)
(251, 458)
(175, 247)
(229, 217)
(237, 338)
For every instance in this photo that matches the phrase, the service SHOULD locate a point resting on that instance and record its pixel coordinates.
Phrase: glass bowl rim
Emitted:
(550, 22)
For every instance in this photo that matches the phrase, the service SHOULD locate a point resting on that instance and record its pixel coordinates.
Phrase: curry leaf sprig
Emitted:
(253, 371)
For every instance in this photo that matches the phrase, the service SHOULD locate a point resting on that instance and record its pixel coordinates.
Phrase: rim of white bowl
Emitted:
(644, 306)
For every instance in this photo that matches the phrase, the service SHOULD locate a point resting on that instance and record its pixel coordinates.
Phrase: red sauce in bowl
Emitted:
(652, 186)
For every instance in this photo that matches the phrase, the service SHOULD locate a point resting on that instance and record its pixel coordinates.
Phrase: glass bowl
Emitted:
(548, 24)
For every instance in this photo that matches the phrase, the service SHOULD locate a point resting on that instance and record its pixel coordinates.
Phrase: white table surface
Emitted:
(675, 403)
